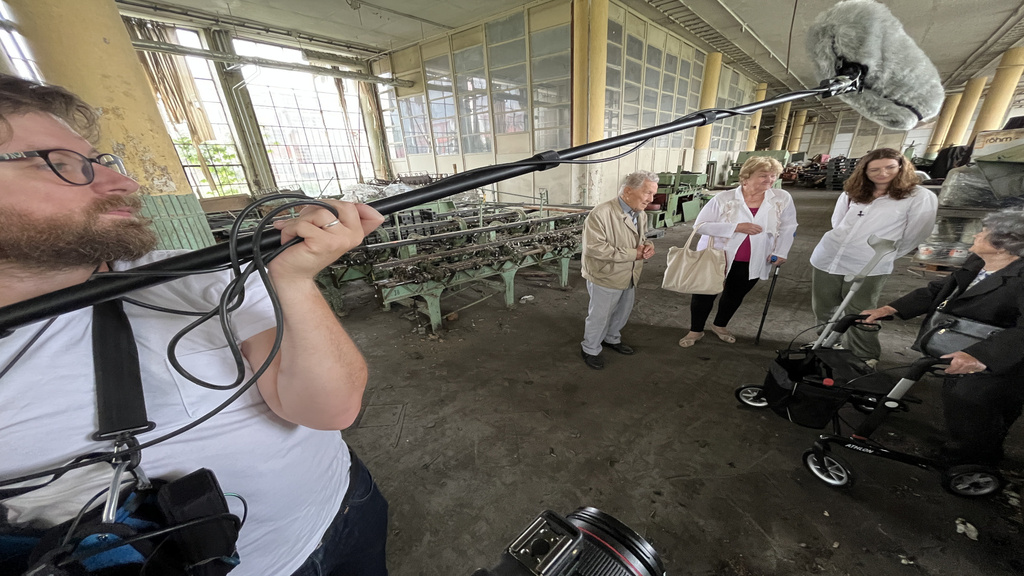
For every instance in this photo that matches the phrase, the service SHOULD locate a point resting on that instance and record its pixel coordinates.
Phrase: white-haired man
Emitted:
(615, 246)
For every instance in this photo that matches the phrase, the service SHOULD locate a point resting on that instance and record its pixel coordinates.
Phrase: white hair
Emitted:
(637, 179)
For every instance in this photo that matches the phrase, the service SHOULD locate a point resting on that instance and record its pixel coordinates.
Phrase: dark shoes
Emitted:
(595, 362)
(620, 348)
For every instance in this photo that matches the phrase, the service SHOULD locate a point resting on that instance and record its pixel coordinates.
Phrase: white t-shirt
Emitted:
(844, 249)
(292, 477)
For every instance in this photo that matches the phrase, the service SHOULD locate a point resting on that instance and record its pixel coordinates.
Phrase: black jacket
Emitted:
(997, 300)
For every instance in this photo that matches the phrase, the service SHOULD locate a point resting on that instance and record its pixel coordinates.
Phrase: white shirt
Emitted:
(292, 477)
(777, 217)
(844, 249)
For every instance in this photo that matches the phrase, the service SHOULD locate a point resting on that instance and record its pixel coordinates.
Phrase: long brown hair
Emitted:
(861, 189)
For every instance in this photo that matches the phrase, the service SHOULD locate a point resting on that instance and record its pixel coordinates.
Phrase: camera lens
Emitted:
(610, 548)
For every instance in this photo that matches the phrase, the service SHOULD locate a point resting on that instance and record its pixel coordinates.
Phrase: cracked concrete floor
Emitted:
(471, 434)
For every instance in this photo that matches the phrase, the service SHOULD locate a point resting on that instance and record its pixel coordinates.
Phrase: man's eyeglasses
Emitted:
(70, 166)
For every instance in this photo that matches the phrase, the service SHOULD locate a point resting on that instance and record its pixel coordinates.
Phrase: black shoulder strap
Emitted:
(119, 399)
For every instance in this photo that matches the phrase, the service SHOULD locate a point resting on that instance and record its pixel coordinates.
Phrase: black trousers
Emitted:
(737, 285)
(979, 410)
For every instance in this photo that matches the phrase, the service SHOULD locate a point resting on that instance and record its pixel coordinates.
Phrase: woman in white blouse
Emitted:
(754, 224)
(882, 198)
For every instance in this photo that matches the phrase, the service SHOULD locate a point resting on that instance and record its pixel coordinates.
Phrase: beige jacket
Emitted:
(609, 246)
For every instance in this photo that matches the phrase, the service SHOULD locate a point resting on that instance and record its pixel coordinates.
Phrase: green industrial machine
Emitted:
(430, 249)
(734, 173)
(423, 252)
(680, 197)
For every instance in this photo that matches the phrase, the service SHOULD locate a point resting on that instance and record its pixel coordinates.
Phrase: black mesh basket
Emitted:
(794, 387)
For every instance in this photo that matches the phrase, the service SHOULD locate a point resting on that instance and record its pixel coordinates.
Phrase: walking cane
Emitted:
(771, 288)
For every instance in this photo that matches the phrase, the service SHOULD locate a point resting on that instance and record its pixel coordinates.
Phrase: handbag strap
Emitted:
(120, 403)
(689, 241)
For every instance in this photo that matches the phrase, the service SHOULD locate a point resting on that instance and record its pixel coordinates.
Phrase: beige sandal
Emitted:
(690, 339)
(723, 334)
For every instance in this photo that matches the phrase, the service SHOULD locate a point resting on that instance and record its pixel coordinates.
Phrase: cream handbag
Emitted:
(695, 271)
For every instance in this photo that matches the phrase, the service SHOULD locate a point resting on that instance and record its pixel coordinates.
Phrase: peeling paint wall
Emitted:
(88, 51)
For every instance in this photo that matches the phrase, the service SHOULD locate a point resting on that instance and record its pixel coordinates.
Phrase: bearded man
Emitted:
(68, 211)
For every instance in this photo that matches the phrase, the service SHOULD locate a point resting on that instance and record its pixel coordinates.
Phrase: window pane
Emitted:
(557, 66)
(631, 93)
(670, 63)
(471, 82)
(654, 56)
(513, 76)
(634, 72)
(650, 98)
(507, 28)
(551, 117)
(653, 78)
(613, 77)
(476, 144)
(615, 32)
(550, 41)
(554, 92)
(551, 139)
(634, 47)
(469, 59)
(506, 54)
(614, 55)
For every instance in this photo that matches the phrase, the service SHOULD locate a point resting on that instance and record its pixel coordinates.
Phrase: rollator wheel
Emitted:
(835, 472)
(971, 481)
(752, 396)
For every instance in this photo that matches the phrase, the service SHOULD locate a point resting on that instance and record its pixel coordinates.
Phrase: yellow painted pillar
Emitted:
(789, 131)
(87, 50)
(590, 60)
(779, 132)
(942, 125)
(1000, 92)
(598, 67)
(964, 112)
(797, 134)
(589, 65)
(708, 99)
(755, 120)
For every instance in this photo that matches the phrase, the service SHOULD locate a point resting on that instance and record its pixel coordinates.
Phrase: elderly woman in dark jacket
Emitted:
(984, 393)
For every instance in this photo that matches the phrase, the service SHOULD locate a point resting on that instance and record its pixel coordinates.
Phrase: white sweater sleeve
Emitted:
(920, 221)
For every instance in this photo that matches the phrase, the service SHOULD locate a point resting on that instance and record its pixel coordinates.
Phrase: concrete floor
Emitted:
(471, 434)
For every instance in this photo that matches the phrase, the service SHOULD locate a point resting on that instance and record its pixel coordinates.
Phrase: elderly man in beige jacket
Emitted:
(615, 246)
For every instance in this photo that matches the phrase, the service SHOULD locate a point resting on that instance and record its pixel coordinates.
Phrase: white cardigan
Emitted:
(777, 216)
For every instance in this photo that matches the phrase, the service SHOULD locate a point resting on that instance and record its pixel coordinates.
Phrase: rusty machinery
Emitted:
(424, 251)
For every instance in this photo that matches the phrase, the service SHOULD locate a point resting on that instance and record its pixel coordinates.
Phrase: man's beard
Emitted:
(80, 239)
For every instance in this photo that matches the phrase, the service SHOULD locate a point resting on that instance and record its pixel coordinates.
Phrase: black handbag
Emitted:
(946, 333)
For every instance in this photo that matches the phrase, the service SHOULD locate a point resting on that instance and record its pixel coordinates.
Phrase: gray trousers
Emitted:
(828, 291)
(608, 312)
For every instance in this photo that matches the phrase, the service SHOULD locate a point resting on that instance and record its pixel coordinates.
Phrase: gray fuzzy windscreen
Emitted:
(902, 87)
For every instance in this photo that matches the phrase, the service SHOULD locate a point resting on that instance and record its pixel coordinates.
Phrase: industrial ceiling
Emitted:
(765, 38)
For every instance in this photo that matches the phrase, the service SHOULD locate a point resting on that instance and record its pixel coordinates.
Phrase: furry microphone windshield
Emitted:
(901, 86)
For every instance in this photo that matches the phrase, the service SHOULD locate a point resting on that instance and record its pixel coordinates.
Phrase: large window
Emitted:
(311, 124)
(413, 110)
(550, 66)
(506, 56)
(13, 45)
(633, 74)
(392, 123)
(442, 105)
(613, 80)
(210, 158)
(473, 105)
